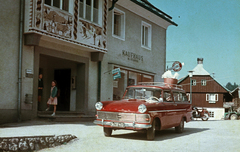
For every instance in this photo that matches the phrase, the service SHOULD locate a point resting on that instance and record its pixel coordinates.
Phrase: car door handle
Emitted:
(175, 104)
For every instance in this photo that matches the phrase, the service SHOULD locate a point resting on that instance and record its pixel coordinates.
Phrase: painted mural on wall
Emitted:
(91, 34)
(51, 21)
(57, 22)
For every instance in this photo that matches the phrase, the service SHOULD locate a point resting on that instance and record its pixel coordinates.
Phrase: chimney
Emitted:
(200, 60)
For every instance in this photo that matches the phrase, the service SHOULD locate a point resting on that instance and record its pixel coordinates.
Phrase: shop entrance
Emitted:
(63, 78)
(70, 76)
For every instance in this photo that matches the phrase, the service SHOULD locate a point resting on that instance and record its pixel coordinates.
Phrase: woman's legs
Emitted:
(54, 110)
(47, 107)
(55, 107)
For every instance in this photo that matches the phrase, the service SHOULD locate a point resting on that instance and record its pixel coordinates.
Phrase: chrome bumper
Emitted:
(126, 125)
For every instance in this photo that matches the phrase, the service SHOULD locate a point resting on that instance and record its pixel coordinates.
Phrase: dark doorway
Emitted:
(63, 78)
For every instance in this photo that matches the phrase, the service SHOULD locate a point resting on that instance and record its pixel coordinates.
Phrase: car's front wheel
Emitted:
(179, 129)
(151, 131)
(107, 131)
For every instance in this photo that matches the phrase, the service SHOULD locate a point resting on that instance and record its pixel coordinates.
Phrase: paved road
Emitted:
(213, 136)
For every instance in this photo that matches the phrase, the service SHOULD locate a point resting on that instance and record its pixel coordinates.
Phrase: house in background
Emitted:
(236, 99)
(206, 91)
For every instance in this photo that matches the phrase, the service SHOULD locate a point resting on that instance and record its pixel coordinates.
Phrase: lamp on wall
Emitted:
(190, 73)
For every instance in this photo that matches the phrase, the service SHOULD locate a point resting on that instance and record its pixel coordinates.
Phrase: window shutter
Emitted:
(216, 97)
(207, 97)
(188, 96)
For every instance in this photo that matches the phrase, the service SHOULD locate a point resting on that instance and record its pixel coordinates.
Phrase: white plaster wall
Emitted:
(153, 60)
(92, 86)
(218, 113)
(9, 42)
(107, 81)
(27, 83)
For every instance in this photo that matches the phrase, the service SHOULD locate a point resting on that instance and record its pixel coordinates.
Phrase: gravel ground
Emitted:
(213, 136)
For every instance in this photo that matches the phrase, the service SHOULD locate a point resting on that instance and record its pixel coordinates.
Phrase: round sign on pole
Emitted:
(177, 66)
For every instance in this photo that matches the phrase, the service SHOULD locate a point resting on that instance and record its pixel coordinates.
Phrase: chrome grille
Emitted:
(116, 116)
(126, 117)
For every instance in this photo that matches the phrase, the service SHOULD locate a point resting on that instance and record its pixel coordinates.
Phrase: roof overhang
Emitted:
(146, 12)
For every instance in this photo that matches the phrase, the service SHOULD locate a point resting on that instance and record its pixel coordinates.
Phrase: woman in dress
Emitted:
(53, 97)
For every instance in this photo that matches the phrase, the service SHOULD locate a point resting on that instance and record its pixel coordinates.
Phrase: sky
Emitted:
(208, 29)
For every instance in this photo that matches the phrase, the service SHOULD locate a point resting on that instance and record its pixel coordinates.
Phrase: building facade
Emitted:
(77, 43)
(136, 44)
(206, 91)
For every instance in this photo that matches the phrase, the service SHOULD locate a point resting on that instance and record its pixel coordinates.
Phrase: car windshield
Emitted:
(148, 94)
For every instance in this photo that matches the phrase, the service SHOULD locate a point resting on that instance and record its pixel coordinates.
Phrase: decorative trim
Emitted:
(38, 14)
(65, 39)
(105, 18)
(56, 23)
(75, 19)
(169, 110)
(31, 13)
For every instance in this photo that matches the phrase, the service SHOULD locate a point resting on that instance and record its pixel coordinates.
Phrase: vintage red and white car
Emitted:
(149, 106)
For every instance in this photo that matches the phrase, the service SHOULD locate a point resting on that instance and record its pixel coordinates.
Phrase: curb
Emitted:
(31, 143)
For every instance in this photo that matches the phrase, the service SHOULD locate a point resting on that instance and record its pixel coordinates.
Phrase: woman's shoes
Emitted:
(47, 109)
(53, 114)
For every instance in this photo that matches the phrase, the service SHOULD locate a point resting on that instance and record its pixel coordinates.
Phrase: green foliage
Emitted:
(231, 86)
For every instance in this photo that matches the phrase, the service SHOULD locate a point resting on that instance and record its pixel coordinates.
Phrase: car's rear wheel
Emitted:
(179, 129)
(151, 131)
(107, 131)
(233, 117)
(205, 117)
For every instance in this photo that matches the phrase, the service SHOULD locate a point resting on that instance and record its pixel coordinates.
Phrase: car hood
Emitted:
(131, 105)
(122, 105)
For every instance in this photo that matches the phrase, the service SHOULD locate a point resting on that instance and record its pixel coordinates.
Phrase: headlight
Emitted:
(98, 105)
(142, 108)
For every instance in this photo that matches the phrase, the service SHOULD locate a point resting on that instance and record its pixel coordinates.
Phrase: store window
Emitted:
(89, 10)
(119, 85)
(128, 78)
(62, 4)
(134, 78)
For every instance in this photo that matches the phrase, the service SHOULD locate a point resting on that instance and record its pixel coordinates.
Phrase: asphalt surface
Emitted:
(211, 136)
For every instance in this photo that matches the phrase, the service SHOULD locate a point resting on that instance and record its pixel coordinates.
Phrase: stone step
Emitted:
(61, 112)
(66, 116)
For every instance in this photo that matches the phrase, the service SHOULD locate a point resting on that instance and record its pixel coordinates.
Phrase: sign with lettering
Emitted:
(132, 56)
(116, 73)
(29, 73)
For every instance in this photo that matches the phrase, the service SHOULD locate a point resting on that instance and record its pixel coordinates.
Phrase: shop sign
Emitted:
(132, 56)
(116, 73)
(29, 73)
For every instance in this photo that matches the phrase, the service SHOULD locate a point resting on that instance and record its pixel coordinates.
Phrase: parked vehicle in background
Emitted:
(232, 114)
(150, 106)
(200, 113)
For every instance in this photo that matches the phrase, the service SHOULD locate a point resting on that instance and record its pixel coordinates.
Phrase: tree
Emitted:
(231, 86)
